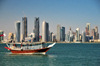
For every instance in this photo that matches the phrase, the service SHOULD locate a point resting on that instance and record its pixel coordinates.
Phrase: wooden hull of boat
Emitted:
(37, 51)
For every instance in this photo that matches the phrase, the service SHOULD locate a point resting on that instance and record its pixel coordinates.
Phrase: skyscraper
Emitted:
(62, 33)
(17, 29)
(96, 32)
(51, 36)
(88, 29)
(58, 37)
(24, 27)
(93, 33)
(36, 28)
(45, 31)
(77, 34)
(83, 37)
(96, 29)
(70, 36)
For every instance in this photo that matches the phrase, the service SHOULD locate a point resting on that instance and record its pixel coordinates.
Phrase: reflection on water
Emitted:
(10, 59)
(35, 55)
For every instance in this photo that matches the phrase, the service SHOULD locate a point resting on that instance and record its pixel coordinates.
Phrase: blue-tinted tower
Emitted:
(24, 27)
(17, 28)
(36, 28)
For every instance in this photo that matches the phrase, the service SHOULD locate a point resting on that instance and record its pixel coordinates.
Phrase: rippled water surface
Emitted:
(59, 55)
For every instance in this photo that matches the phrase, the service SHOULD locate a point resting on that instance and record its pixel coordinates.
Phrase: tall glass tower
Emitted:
(58, 33)
(51, 36)
(17, 29)
(63, 34)
(45, 31)
(88, 28)
(83, 36)
(24, 27)
(36, 28)
(96, 32)
(77, 34)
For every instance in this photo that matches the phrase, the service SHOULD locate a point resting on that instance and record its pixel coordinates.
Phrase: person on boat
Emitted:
(27, 46)
(13, 47)
(43, 45)
(21, 45)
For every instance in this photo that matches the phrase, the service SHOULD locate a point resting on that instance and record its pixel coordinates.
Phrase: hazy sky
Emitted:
(67, 13)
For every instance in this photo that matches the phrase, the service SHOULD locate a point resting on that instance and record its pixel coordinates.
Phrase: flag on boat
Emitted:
(2, 35)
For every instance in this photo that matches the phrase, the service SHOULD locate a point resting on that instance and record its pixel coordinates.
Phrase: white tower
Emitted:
(45, 31)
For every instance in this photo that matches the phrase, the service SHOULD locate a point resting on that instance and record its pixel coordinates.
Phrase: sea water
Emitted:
(60, 55)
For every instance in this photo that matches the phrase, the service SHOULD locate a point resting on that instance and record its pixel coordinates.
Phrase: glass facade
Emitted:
(24, 27)
(36, 28)
(17, 28)
(77, 34)
(63, 34)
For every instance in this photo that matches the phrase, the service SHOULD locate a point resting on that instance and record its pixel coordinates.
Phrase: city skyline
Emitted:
(71, 36)
(67, 13)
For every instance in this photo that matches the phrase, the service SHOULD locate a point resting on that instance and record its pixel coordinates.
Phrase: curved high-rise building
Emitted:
(17, 29)
(45, 31)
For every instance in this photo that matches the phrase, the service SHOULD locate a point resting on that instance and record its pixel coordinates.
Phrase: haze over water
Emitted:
(60, 55)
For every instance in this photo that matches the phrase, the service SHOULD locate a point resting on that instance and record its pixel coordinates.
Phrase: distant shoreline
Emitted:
(56, 42)
(72, 42)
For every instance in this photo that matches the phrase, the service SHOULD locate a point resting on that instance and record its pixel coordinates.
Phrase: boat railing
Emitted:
(25, 47)
(31, 47)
